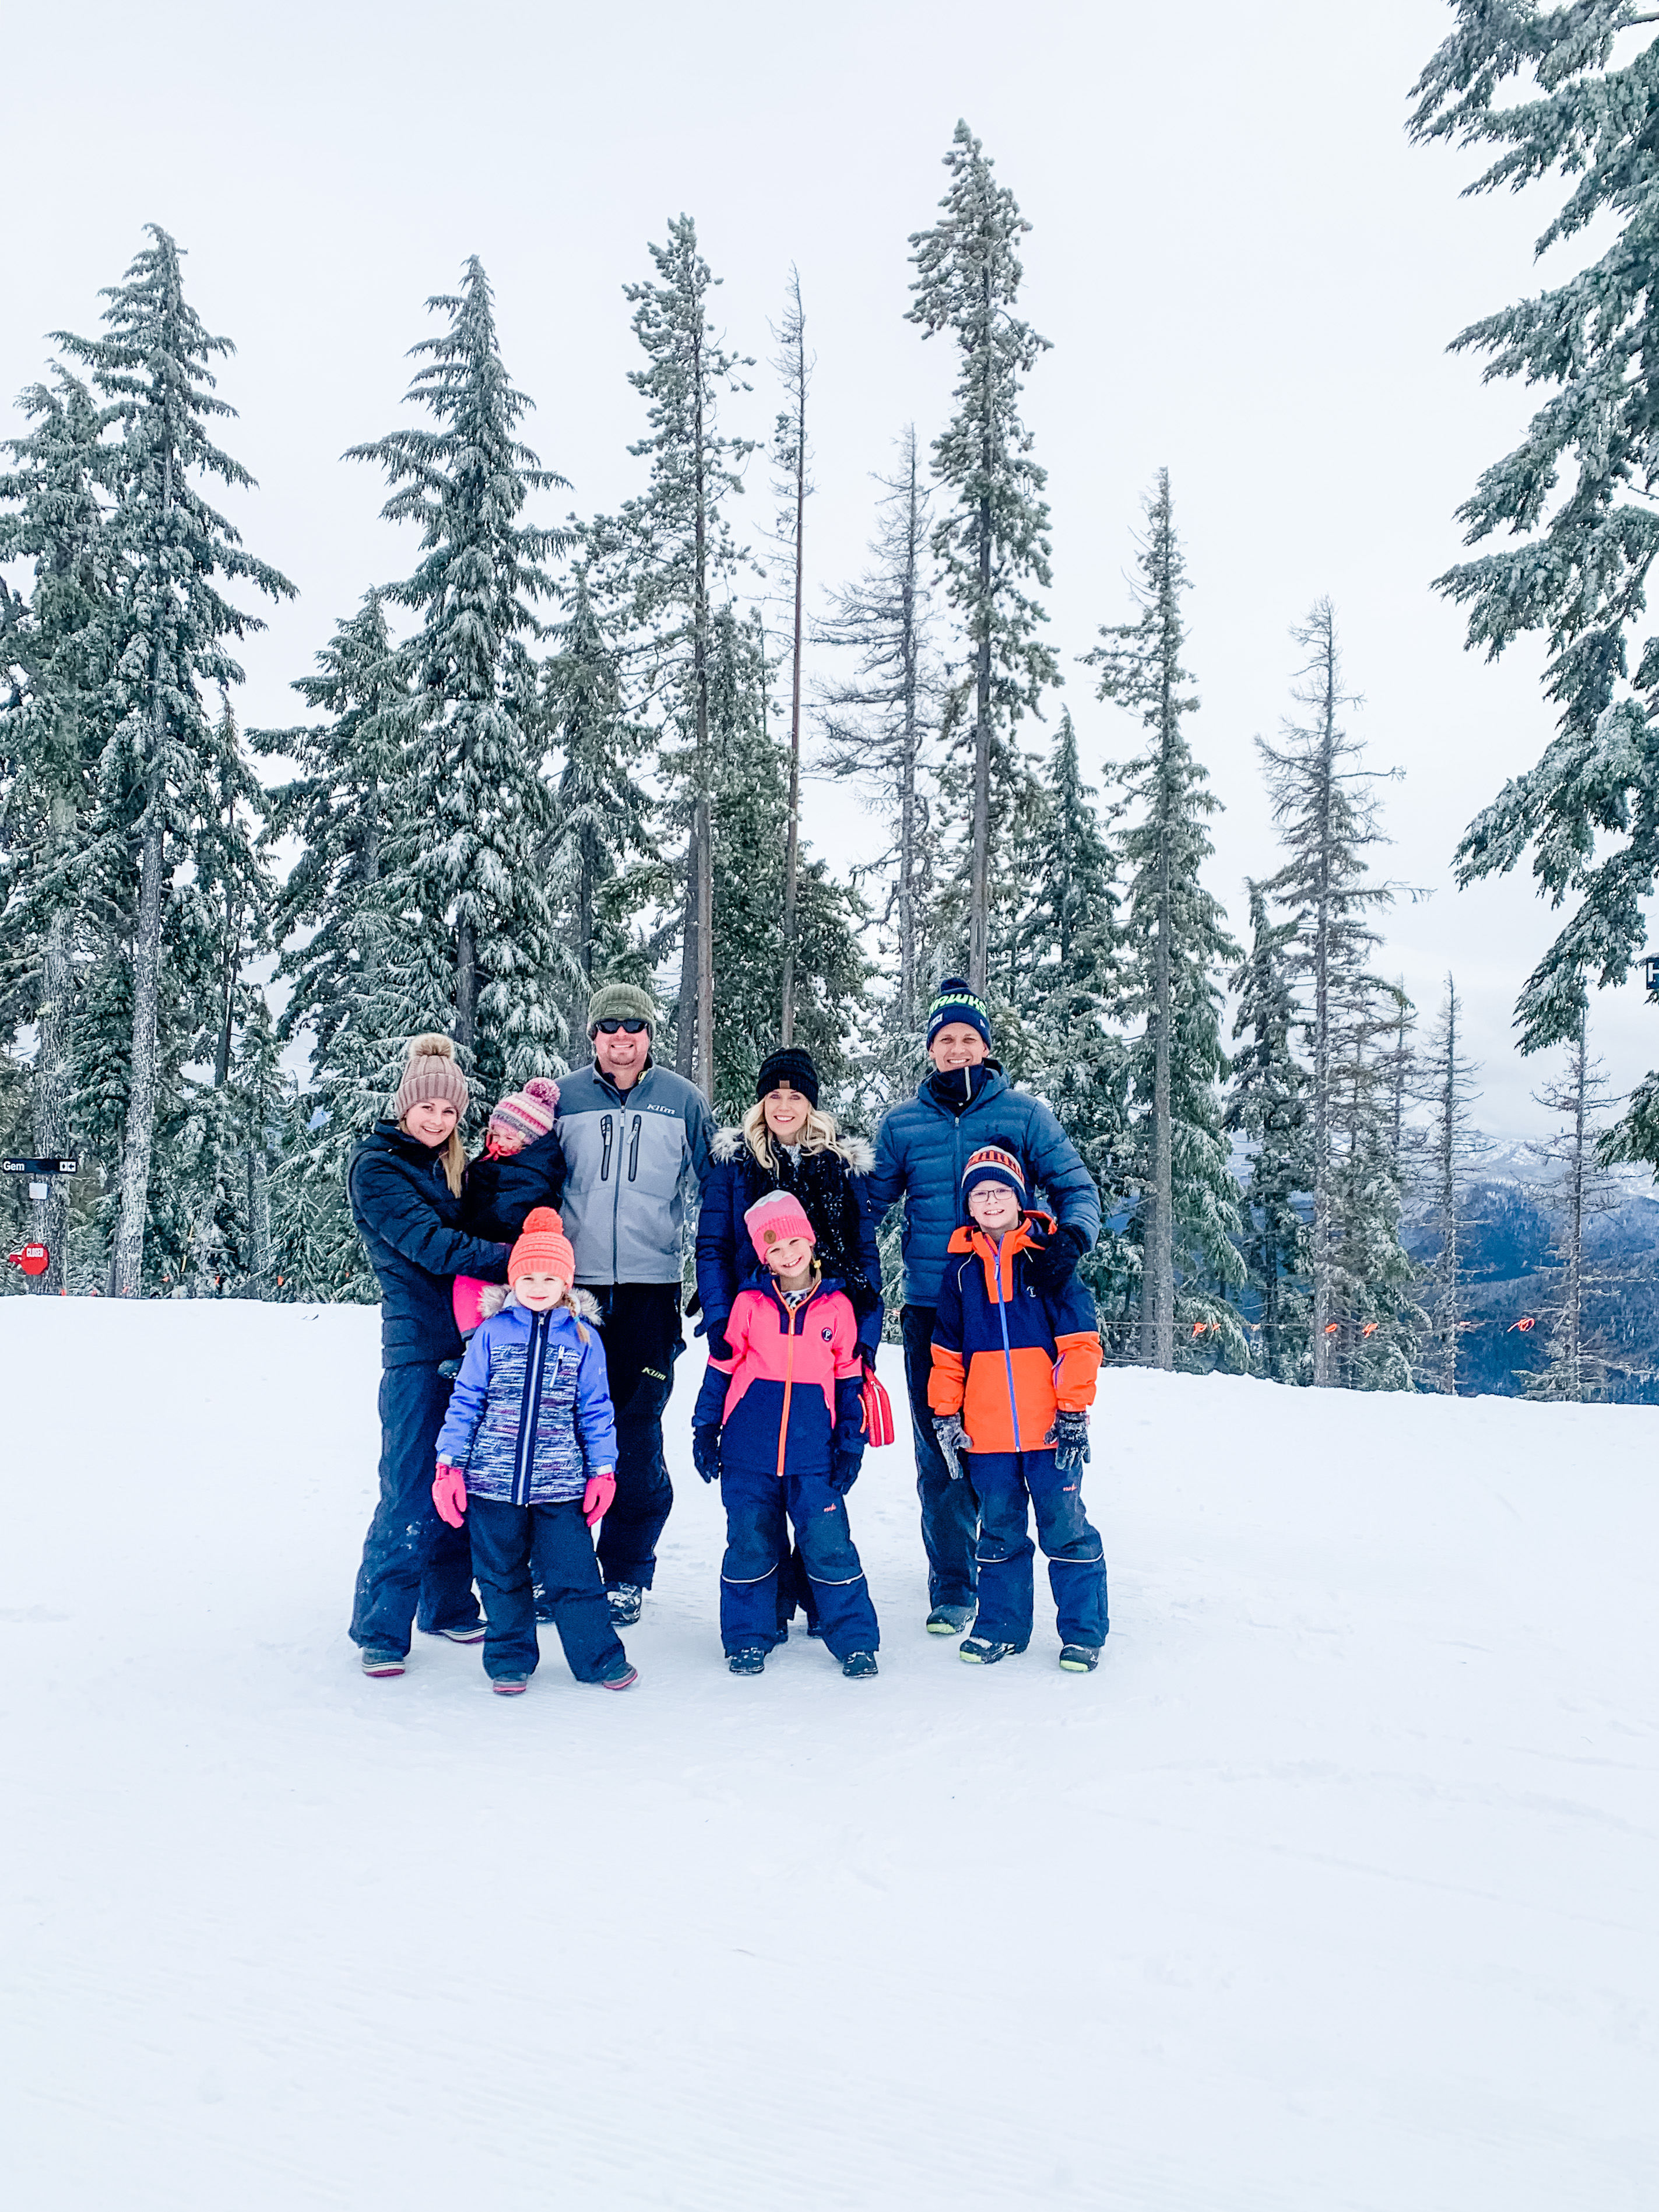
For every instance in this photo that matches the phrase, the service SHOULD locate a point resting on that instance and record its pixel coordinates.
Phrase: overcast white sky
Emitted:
(1247, 273)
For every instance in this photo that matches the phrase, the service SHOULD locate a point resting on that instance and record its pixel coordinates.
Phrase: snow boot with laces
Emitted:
(625, 1600)
(981, 1651)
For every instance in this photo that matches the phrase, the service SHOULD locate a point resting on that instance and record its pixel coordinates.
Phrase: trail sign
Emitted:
(33, 1259)
(40, 1166)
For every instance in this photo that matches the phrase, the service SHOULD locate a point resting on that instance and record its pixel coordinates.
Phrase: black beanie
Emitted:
(795, 1068)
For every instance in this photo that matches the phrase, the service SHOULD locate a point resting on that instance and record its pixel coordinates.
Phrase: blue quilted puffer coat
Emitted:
(923, 1145)
(530, 1419)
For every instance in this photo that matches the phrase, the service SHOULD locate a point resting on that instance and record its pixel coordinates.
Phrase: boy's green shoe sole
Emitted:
(1078, 1658)
(951, 1620)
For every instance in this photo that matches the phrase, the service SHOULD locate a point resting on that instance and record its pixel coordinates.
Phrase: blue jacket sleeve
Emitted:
(466, 1402)
(596, 1419)
(718, 1230)
(891, 1173)
(870, 1260)
(382, 1196)
(1055, 1162)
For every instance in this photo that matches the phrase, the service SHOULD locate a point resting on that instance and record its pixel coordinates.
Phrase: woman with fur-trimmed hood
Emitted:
(786, 1141)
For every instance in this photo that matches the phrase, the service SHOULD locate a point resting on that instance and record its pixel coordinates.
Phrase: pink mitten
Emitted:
(449, 1494)
(465, 1298)
(596, 1499)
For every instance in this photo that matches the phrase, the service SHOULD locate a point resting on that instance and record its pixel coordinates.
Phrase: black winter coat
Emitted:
(409, 1220)
(496, 1194)
(829, 1184)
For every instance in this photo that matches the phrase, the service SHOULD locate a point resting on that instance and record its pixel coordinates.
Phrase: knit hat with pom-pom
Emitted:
(526, 1116)
(543, 1247)
(429, 1071)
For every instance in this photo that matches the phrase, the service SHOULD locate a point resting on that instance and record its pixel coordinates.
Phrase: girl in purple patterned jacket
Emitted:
(530, 1446)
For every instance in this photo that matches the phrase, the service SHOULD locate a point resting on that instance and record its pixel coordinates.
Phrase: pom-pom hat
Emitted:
(431, 1073)
(543, 1247)
(775, 1218)
(955, 1002)
(991, 1164)
(526, 1116)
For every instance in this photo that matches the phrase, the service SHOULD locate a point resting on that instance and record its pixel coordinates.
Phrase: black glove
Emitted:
(1053, 1265)
(947, 1427)
(1070, 1437)
(844, 1471)
(706, 1452)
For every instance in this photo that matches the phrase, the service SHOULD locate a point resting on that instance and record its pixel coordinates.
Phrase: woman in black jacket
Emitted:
(404, 1185)
(786, 1141)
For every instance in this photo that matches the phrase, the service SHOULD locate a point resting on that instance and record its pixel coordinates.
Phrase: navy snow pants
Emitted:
(416, 1567)
(950, 1510)
(1076, 1557)
(755, 1503)
(514, 1546)
(639, 1326)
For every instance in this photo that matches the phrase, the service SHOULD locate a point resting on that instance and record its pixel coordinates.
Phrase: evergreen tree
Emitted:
(792, 457)
(163, 771)
(1573, 500)
(1451, 1147)
(58, 645)
(1372, 1335)
(1267, 1106)
(472, 809)
(678, 549)
(1576, 1189)
(994, 544)
(602, 816)
(1326, 816)
(878, 729)
(1177, 940)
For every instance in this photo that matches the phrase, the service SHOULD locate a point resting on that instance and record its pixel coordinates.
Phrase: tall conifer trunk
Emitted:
(51, 1085)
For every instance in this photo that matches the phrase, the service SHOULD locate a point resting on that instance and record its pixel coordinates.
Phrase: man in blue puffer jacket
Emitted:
(922, 1149)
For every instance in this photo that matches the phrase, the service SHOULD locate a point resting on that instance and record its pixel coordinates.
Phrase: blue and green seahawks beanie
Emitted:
(954, 1002)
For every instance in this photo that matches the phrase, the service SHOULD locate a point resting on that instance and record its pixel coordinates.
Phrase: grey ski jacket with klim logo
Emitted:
(627, 1156)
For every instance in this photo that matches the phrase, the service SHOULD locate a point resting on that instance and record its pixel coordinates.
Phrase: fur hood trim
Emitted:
(856, 1154)
(582, 1303)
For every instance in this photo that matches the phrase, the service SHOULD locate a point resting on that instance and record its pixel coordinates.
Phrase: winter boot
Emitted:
(752, 1659)
(624, 1600)
(509, 1686)
(474, 1633)
(1079, 1658)
(980, 1652)
(618, 1675)
(951, 1620)
(382, 1665)
(858, 1666)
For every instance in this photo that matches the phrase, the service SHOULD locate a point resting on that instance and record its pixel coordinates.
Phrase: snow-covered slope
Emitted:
(1335, 1888)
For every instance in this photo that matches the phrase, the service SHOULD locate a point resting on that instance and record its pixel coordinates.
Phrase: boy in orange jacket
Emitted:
(1013, 1377)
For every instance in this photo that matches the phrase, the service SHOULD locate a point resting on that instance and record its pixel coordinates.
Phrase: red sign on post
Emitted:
(33, 1259)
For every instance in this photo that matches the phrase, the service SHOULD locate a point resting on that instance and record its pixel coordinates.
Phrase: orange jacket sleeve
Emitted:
(1075, 1370)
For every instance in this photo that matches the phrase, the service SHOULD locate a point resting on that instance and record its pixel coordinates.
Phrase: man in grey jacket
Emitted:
(631, 1133)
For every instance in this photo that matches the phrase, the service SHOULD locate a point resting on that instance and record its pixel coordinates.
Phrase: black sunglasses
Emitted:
(611, 1027)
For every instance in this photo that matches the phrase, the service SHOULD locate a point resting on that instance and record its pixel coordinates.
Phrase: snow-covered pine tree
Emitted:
(1574, 500)
(878, 728)
(159, 781)
(1267, 1107)
(1325, 810)
(1376, 1323)
(749, 815)
(472, 810)
(1576, 1189)
(602, 816)
(992, 545)
(57, 646)
(1451, 1146)
(674, 545)
(1177, 946)
(792, 457)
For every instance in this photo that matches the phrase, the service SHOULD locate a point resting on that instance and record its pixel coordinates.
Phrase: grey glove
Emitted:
(952, 1442)
(1070, 1437)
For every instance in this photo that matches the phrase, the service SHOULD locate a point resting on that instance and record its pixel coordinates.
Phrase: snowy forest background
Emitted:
(563, 747)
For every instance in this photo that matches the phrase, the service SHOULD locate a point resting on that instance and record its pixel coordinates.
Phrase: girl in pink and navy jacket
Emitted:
(781, 1424)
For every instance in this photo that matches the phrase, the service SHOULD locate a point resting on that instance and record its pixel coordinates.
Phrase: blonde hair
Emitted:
(819, 1133)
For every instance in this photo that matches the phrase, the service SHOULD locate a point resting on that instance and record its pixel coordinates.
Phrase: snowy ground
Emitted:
(1335, 1888)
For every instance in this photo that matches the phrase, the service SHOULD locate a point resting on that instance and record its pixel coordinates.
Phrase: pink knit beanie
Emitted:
(526, 1116)
(543, 1247)
(775, 1218)
(429, 1071)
